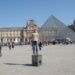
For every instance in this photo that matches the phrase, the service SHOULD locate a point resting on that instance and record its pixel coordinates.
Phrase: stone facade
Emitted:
(17, 34)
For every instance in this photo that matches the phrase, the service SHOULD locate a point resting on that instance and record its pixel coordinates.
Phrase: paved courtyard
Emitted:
(57, 60)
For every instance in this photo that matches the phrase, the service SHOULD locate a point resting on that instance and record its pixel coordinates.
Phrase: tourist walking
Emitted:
(40, 45)
(0, 50)
(9, 45)
(13, 45)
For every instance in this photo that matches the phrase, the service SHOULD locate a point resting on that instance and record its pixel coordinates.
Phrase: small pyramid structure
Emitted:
(55, 29)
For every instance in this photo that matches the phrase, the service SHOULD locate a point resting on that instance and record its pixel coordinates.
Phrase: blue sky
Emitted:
(16, 13)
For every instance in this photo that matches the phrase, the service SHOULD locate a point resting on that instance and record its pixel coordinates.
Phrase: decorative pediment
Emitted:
(31, 24)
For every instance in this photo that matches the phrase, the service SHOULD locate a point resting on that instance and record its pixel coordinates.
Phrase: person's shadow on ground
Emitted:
(18, 64)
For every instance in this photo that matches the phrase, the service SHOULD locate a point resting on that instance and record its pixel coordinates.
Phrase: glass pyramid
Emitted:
(55, 29)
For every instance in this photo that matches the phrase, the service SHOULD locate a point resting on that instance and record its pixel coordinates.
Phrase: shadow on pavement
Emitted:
(18, 64)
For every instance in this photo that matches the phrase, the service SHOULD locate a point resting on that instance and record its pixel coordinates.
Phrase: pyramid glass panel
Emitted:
(55, 29)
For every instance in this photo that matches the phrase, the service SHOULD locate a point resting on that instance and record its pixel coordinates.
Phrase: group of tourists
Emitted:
(11, 45)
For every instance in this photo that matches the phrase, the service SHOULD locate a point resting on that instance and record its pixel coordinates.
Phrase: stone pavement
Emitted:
(57, 60)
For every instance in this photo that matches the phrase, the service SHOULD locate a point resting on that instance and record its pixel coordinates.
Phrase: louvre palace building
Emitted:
(51, 29)
(17, 34)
